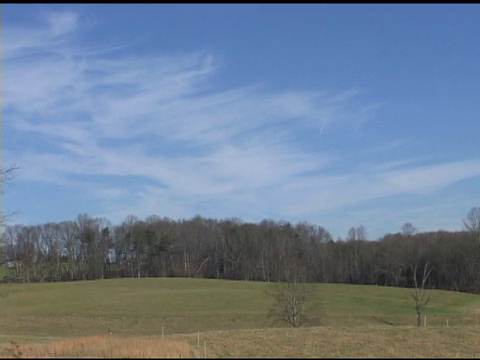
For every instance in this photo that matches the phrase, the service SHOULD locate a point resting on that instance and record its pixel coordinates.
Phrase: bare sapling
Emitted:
(420, 295)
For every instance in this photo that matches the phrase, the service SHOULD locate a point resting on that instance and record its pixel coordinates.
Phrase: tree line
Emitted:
(92, 248)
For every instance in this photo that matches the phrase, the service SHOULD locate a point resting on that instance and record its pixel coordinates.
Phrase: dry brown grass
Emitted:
(103, 346)
(373, 341)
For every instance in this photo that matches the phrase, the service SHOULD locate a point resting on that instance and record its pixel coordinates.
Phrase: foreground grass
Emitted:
(103, 346)
(228, 319)
(362, 341)
(318, 342)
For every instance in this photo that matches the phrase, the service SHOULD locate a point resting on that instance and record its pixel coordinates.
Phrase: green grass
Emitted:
(130, 306)
(34, 312)
(345, 304)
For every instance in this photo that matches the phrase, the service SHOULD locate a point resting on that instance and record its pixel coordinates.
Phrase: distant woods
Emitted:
(92, 248)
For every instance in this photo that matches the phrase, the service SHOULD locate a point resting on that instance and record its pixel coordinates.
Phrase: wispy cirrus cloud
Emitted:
(24, 41)
(91, 119)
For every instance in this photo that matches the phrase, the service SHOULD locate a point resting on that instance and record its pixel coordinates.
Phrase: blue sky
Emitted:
(339, 115)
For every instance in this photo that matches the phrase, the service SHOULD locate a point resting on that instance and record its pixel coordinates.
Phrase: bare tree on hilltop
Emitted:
(6, 175)
(408, 229)
(472, 223)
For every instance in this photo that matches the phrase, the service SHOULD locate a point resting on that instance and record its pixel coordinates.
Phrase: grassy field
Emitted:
(199, 317)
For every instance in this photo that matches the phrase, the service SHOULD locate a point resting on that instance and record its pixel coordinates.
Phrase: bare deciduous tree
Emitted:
(408, 229)
(6, 175)
(290, 302)
(290, 296)
(472, 223)
(420, 294)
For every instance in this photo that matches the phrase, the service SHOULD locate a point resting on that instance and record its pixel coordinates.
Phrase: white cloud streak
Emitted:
(157, 118)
